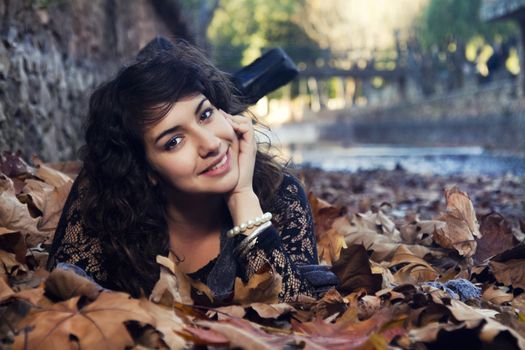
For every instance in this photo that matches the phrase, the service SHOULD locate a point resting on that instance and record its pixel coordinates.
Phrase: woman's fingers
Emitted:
(240, 123)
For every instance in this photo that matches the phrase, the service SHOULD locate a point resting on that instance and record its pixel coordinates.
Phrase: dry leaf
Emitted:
(332, 303)
(327, 219)
(38, 191)
(420, 232)
(329, 245)
(272, 310)
(174, 285)
(377, 222)
(75, 324)
(497, 295)
(510, 273)
(5, 290)
(49, 175)
(246, 335)
(9, 266)
(262, 287)
(227, 311)
(12, 164)
(201, 336)
(14, 216)
(497, 237)
(53, 207)
(323, 213)
(461, 224)
(354, 272)
(414, 270)
(167, 322)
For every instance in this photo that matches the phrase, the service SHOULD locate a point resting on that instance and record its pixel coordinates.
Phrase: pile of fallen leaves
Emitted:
(421, 265)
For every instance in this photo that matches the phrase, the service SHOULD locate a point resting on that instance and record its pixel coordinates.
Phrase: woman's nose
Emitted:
(209, 144)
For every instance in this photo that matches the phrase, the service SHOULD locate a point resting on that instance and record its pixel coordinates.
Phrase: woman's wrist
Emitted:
(244, 206)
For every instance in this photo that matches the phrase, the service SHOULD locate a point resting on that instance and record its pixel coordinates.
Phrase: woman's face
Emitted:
(194, 149)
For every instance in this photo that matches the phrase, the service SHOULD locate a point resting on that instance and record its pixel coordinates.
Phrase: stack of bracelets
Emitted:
(261, 222)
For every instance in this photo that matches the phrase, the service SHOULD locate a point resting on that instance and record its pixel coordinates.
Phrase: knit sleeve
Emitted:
(73, 243)
(288, 243)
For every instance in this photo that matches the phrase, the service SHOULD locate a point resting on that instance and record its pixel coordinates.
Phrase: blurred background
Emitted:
(430, 86)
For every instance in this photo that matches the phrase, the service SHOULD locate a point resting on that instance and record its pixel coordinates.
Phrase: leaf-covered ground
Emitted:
(424, 262)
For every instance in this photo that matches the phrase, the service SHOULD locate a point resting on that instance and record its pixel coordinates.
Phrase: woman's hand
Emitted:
(243, 127)
(242, 201)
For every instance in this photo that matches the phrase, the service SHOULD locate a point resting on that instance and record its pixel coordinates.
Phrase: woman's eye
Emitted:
(206, 114)
(172, 143)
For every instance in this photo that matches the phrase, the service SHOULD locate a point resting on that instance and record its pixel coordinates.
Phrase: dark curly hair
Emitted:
(121, 205)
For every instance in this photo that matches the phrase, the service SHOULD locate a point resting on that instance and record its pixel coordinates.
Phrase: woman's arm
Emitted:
(288, 244)
(72, 243)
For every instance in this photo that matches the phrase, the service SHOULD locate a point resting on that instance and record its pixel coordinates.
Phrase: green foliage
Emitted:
(43, 4)
(242, 29)
(457, 21)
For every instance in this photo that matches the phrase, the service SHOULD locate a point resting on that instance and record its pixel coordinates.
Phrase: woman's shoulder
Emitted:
(290, 193)
(290, 185)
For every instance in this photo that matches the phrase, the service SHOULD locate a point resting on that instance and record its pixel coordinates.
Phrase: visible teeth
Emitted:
(221, 163)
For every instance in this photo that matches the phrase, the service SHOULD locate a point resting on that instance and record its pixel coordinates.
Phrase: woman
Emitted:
(170, 165)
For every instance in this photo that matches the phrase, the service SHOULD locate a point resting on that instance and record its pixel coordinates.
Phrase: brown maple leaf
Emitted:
(75, 324)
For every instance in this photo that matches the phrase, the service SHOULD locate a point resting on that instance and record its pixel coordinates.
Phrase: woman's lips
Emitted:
(223, 166)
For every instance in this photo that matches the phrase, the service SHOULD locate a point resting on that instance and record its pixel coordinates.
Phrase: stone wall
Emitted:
(52, 54)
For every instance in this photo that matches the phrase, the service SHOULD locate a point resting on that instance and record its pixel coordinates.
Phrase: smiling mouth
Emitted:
(218, 165)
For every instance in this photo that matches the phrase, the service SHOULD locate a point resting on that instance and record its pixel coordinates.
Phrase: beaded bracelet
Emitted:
(247, 244)
(258, 221)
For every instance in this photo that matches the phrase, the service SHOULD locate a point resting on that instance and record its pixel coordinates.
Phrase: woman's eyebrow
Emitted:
(199, 106)
(175, 128)
(166, 132)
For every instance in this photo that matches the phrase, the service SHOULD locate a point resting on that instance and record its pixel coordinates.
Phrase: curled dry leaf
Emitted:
(49, 175)
(262, 287)
(420, 232)
(14, 216)
(75, 324)
(38, 191)
(378, 222)
(414, 268)
(461, 224)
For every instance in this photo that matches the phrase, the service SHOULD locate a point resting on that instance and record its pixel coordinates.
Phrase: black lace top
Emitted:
(287, 245)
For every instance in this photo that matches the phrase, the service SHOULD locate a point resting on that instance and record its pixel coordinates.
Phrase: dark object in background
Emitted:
(267, 73)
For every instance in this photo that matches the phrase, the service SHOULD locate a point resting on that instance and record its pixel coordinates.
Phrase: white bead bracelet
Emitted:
(258, 221)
